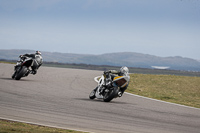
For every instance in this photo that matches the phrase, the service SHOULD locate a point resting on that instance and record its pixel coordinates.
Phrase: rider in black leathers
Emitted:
(23, 57)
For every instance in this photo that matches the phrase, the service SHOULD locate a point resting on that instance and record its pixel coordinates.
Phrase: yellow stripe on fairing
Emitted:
(117, 77)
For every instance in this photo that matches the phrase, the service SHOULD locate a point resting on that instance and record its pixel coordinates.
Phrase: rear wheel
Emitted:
(21, 73)
(110, 94)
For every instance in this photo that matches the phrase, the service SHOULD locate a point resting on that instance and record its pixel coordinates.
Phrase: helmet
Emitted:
(38, 53)
(124, 70)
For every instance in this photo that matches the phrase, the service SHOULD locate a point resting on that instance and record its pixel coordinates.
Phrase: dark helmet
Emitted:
(38, 53)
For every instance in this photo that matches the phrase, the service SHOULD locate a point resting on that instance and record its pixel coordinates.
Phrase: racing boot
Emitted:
(119, 94)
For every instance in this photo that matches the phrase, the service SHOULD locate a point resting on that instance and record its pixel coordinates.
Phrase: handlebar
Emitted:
(107, 72)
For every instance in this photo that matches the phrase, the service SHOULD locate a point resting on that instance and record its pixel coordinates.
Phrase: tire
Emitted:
(92, 94)
(15, 72)
(21, 73)
(13, 76)
(110, 94)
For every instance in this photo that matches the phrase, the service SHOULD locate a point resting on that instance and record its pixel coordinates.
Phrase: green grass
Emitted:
(7, 62)
(18, 127)
(177, 89)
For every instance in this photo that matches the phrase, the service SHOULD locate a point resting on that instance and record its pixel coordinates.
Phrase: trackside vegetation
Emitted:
(171, 88)
(18, 127)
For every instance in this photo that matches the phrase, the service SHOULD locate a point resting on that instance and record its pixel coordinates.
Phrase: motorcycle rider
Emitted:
(124, 71)
(37, 53)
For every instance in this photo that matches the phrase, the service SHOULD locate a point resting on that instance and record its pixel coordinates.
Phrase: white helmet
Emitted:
(124, 70)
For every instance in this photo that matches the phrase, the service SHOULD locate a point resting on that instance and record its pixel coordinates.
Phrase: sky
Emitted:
(156, 27)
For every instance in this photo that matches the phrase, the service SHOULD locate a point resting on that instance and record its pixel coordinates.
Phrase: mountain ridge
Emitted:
(130, 59)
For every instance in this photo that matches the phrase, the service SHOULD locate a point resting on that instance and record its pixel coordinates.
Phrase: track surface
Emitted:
(59, 97)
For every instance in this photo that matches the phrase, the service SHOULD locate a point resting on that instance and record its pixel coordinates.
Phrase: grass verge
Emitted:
(6, 62)
(18, 127)
(176, 89)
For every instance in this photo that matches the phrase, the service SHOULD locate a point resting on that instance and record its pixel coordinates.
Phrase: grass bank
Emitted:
(176, 89)
(18, 127)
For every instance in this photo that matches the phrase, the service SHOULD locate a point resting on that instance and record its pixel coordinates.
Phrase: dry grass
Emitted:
(177, 89)
(18, 127)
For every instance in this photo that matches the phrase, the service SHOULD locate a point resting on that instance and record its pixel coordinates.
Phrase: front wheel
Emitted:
(21, 73)
(13, 76)
(92, 94)
(110, 94)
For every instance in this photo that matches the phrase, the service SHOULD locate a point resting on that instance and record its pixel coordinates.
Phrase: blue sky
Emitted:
(157, 27)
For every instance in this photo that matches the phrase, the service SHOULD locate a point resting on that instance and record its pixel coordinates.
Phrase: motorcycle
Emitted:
(108, 86)
(22, 66)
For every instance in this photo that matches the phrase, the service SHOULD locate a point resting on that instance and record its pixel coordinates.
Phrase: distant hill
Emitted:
(130, 59)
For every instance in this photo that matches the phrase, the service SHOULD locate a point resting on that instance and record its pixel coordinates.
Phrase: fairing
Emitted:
(121, 81)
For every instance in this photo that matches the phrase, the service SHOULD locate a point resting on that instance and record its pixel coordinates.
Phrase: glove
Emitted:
(107, 72)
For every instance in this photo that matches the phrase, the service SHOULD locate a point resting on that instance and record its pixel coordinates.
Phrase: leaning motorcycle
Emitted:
(22, 66)
(108, 86)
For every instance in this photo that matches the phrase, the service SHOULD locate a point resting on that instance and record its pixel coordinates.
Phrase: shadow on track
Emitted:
(7, 78)
(100, 100)
(17, 80)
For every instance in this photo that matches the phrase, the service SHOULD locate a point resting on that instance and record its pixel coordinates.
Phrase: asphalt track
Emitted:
(58, 97)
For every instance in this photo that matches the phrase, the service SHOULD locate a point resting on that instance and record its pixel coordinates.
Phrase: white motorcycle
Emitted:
(108, 86)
